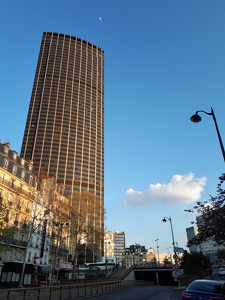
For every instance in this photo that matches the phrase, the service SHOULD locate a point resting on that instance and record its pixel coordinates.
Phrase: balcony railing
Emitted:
(13, 242)
(18, 243)
(60, 250)
(16, 188)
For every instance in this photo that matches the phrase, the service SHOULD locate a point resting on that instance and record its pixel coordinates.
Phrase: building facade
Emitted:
(135, 255)
(191, 233)
(38, 215)
(18, 192)
(114, 245)
(64, 133)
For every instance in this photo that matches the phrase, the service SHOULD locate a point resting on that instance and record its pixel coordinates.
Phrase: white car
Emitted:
(221, 271)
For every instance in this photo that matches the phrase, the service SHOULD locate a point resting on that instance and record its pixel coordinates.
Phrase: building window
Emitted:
(23, 175)
(3, 177)
(14, 156)
(12, 184)
(31, 180)
(22, 161)
(6, 163)
(6, 149)
(14, 170)
(29, 256)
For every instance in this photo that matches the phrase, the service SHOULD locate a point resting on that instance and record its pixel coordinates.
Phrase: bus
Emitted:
(101, 266)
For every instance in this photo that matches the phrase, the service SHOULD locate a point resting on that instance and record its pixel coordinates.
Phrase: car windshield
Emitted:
(212, 287)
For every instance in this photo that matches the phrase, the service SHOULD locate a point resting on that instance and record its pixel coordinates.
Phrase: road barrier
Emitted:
(65, 292)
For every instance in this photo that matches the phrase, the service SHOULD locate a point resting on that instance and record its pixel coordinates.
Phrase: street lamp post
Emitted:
(177, 272)
(106, 255)
(196, 119)
(171, 226)
(56, 261)
(157, 251)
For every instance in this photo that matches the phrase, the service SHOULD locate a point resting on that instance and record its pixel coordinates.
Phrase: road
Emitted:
(216, 276)
(152, 292)
(147, 292)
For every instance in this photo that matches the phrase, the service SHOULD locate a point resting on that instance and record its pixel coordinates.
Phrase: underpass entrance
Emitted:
(158, 276)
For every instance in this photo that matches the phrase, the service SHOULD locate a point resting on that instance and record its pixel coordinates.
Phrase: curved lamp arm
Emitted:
(196, 118)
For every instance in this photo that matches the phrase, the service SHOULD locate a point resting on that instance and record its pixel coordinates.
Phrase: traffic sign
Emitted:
(176, 273)
(178, 249)
(57, 268)
(175, 256)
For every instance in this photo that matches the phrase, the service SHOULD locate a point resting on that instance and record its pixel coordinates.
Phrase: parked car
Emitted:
(202, 289)
(221, 270)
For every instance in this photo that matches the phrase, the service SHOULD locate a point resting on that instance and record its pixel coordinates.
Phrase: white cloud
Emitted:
(181, 189)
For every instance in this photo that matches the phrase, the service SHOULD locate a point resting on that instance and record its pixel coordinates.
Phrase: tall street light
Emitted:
(171, 226)
(157, 251)
(196, 119)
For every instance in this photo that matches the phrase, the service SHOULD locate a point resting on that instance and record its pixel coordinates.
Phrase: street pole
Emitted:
(157, 251)
(30, 228)
(218, 133)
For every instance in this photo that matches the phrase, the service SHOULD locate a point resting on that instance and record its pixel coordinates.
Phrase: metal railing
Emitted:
(61, 292)
(13, 242)
(59, 249)
(11, 185)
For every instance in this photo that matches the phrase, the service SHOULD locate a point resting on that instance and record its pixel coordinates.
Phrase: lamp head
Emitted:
(195, 118)
(164, 219)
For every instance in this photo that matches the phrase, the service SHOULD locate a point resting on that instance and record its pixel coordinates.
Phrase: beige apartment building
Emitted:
(39, 214)
(17, 189)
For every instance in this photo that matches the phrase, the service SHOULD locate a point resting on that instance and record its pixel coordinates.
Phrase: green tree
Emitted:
(212, 217)
(193, 263)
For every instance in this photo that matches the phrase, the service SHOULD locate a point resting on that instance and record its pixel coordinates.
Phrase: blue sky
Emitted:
(164, 60)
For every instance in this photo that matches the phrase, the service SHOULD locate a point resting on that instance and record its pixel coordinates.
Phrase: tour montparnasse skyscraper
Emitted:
(64, 133)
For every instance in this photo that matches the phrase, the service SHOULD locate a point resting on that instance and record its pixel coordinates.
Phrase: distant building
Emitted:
(208, 248)
(135, 255)
(114, 245)
(153, 258)
(191, 233)
(150, 256)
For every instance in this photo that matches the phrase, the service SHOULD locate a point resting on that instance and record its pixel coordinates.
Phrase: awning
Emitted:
(43, 269)
(66, 266)
(17, 267)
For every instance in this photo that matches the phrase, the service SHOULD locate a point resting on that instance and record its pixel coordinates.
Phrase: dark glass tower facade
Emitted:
(64, 133)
